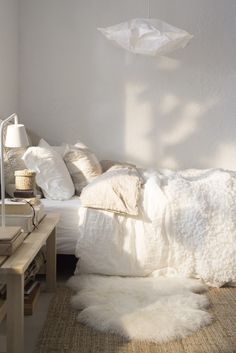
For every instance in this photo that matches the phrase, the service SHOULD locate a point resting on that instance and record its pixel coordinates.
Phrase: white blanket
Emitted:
(187, 226)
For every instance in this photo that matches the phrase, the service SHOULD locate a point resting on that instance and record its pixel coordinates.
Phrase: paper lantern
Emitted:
(147, 36)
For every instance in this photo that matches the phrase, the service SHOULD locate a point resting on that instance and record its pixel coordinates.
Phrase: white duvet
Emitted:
(187, 226)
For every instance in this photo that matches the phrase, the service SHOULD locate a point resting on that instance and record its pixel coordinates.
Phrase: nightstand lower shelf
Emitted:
(12, 271)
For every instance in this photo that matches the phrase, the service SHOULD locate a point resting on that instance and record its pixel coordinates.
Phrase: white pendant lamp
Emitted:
(147, 36)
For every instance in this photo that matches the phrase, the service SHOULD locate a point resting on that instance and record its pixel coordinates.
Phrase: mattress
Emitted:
(68, 226)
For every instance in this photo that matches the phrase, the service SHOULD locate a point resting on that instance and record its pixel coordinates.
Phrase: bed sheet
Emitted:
(68, 226)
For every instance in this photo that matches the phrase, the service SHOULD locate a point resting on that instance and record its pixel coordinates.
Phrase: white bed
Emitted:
(186, 226)
(68, 226)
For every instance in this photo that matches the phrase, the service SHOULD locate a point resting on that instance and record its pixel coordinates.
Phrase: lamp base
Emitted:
(9, 233)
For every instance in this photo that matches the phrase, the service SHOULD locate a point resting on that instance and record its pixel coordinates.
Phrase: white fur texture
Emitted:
(154, 309)
(187, 227)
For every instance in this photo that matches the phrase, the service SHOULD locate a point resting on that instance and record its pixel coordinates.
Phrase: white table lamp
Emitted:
(16, 136)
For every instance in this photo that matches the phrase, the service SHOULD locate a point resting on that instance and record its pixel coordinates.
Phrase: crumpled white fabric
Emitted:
(187, 226)
(147, 36)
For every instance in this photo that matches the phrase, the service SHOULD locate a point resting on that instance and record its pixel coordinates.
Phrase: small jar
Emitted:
(25, 179)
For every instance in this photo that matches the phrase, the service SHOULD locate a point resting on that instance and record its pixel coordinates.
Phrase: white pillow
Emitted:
(117, 190)
(52, 175)
(82, 165)
(60, 149)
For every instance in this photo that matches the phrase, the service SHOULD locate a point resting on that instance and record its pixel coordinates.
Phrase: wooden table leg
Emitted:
(15, 313)
(51, 262)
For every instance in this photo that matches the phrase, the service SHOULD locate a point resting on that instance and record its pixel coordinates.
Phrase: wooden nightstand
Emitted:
(12, 271)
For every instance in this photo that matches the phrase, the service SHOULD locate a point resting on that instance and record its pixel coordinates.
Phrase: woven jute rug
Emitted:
(62, 333)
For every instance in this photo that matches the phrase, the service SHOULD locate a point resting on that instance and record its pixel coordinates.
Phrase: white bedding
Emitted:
(188, 227)
(68, 226)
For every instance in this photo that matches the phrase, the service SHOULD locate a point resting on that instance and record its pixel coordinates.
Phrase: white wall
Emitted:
(171, 112)
(8, 57)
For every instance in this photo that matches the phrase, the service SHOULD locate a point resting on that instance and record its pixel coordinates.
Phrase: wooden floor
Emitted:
(62, 333)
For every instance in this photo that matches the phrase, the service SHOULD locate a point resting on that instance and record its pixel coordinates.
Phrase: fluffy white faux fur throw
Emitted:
(155, 309)
(187, 228)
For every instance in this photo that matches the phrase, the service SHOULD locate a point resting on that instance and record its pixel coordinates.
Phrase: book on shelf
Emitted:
(3, 309)
(29, 287)
(34, 267)
(30, 274)
(27, 215)
(31, 300)
(10, 239)
(9, 234)
(21, 206)
(3, 291)
(25, 194)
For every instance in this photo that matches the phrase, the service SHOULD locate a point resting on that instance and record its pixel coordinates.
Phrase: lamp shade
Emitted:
(16, 136)
(147, 36)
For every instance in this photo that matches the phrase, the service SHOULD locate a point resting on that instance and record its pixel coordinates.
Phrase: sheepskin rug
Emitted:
(154, 309)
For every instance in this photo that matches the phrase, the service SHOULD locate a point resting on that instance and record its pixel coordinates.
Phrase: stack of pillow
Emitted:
(62, 171)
